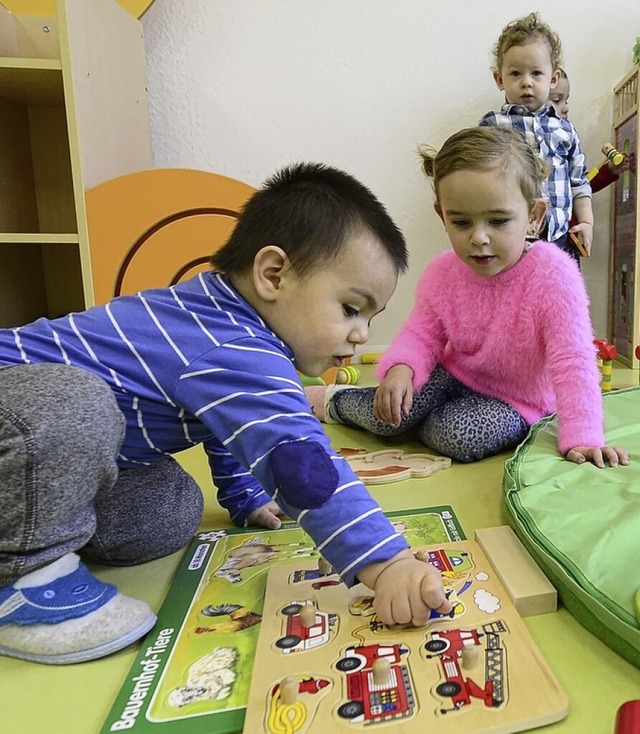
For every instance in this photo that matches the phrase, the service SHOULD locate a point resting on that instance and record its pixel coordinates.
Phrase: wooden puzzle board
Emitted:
(476, 671)
(194, 668)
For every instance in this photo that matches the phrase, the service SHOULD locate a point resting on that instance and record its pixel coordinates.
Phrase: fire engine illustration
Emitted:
(448, 561)
(448, 646)
(299, 636)
(370, 700)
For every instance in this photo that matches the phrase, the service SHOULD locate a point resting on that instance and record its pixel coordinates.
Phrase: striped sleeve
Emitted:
(254, 404)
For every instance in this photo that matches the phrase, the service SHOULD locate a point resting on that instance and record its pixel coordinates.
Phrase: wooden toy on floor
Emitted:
(345, 375)
(193, 672)
(370, 357)
(529, 589)
(475, 670)
(393, 465)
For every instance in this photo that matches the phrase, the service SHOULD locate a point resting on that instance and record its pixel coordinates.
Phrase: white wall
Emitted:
(241, 88)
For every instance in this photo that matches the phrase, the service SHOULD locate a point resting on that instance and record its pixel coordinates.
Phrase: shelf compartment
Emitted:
(32, 82)
(39, 276)
(28, 36)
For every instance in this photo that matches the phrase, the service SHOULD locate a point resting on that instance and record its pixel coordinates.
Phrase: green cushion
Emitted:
(582, 524)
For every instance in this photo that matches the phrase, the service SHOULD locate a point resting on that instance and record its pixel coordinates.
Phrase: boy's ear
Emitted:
(270, 266)
(555, 78)
(536, 217)
(497, 78)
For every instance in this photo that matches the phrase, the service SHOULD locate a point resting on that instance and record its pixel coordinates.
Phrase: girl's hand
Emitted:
(612, 454)
(394, 395)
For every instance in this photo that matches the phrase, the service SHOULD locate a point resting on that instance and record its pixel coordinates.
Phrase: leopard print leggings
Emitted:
(445, 415)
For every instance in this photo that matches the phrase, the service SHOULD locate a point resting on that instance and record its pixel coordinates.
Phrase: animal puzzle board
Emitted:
(194, 668)
(325, 663)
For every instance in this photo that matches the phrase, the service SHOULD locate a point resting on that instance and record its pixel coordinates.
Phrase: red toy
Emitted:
(628, 718)
(599, 177)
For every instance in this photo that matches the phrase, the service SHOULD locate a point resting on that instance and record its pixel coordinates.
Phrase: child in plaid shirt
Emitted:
(527, 60)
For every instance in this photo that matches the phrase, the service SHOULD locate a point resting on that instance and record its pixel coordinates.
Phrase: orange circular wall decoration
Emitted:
(153, 228)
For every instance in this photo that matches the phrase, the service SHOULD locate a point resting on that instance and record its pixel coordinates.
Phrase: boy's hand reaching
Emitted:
(266, 516)
(394, 395)
(612, 454)
(406, 590)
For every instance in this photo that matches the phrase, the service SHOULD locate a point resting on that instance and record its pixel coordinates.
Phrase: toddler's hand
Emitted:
(394, 395)
(584, 231)
(266, 516)
(612, 454)
(406, 590)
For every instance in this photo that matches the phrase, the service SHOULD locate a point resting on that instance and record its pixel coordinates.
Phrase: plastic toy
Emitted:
(606, 353)
(612, 155)
(346, 375)
(628, 718)
(370, 357)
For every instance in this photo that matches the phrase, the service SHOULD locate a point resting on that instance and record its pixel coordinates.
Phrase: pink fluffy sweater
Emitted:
(523, 336)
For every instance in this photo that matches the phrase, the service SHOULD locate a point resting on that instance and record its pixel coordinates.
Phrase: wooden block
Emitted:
(529, 589)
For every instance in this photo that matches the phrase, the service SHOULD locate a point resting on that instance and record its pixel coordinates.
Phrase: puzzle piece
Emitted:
(393, 465)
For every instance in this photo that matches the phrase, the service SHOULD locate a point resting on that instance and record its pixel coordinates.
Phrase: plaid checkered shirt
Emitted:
(557, 141)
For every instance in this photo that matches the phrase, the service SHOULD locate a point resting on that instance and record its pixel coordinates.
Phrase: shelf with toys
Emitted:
(624, 269)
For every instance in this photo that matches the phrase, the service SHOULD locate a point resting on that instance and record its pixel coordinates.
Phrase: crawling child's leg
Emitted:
(60, 433)
(148, 513)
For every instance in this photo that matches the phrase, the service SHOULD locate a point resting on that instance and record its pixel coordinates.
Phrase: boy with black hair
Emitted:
(93, 405)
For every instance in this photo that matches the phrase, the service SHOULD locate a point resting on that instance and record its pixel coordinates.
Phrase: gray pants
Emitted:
(60, 487)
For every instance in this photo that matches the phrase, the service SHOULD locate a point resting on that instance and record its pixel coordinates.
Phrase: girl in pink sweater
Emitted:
(500, 333)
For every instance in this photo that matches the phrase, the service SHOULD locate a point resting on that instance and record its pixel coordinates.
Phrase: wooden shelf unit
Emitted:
(624, 303)
(73, 113)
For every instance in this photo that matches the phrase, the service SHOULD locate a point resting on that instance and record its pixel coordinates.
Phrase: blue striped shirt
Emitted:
(557, 141)
(194, 364)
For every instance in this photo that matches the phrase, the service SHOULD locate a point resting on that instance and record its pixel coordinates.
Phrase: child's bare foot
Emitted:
(266, 516)
(319, 398)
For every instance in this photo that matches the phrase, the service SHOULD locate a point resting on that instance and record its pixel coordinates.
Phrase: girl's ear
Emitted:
(537, 215)
(270, 265)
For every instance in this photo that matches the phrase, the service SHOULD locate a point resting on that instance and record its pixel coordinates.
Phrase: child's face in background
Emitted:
(559, 97)
(325, 315)
(527, 76)
(487, 218)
